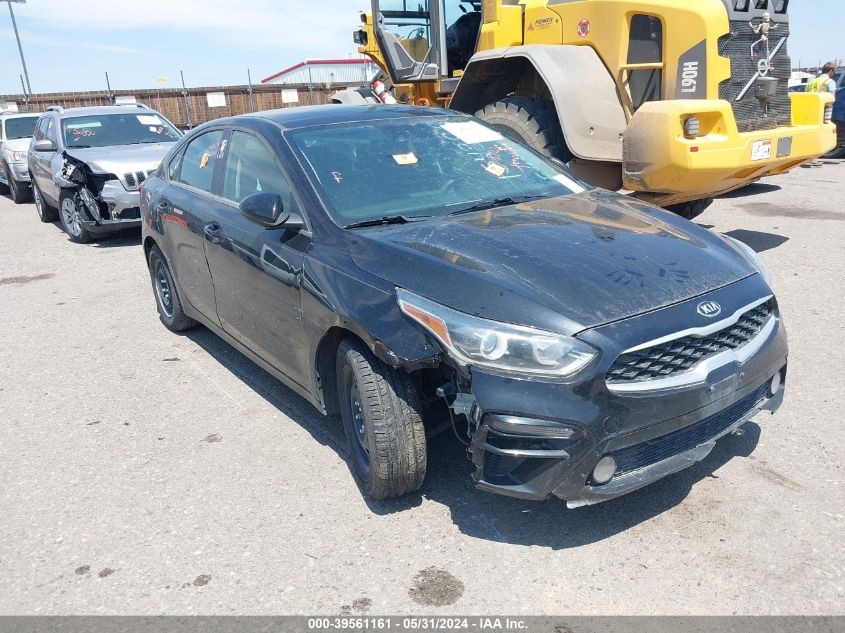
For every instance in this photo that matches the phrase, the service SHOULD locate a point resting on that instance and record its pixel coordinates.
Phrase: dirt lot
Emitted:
(146, 472)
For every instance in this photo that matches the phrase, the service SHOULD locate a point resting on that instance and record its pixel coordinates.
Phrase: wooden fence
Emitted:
(171, 102)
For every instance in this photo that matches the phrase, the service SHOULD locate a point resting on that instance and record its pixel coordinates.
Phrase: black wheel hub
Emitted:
(357, 424)
(163, 289)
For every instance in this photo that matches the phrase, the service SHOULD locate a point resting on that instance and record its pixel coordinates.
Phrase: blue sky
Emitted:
(69, 44)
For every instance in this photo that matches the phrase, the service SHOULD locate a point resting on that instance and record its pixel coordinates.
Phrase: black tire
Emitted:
(167, 298)
(4, 189)
(530, 120)
(691, 209)
(46, 213)
(380, 407)
(19, 191)
(71, 218)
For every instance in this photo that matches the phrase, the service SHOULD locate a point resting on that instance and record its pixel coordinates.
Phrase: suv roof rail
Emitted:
(55, 108)
(132, 105)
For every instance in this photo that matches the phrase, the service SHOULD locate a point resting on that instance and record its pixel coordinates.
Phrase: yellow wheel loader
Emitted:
(674, 100)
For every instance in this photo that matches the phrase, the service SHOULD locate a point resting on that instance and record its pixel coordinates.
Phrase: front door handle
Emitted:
(163, 206)
(213, 232)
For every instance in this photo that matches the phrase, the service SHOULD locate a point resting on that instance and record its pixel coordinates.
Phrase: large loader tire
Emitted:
(691, 209)
(530, 120)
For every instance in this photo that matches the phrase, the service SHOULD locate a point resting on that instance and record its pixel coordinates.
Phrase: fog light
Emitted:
(774, 385)
(604, 470)
(692, 127)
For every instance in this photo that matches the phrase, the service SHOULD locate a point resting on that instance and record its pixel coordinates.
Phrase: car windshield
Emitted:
(417, 167)
(132, 128)
(20, 127)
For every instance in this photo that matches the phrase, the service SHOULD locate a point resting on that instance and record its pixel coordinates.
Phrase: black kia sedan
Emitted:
(410, 268)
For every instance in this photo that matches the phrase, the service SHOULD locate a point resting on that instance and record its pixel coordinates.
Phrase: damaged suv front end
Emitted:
(89, 164)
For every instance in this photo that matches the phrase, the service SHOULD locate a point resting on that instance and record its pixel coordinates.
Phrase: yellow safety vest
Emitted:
(819, 84)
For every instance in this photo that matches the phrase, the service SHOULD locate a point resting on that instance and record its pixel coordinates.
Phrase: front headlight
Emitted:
(499, 347)
(752, 257)
(18, 157)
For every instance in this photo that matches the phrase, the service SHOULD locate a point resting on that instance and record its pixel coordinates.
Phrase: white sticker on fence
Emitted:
(125, 100)
(216, 99)
(472, 132)
(290, 96)
(10, 106)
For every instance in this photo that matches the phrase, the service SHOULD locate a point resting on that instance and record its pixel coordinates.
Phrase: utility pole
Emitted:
(25, 95)
(18, 38)
(109, 93)
(249, 92)
(187, 103)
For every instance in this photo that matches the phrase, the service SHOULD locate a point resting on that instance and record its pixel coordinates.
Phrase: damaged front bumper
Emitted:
(534, 440)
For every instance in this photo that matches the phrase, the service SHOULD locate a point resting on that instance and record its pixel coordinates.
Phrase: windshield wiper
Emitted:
(496, 202)
(388, 219)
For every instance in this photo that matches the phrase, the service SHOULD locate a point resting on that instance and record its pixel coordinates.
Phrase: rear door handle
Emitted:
(213, 232)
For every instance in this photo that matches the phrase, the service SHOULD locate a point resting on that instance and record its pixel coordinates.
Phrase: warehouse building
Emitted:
(326, 72)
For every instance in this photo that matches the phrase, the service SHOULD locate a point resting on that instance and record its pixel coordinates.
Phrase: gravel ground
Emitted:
(145, 472)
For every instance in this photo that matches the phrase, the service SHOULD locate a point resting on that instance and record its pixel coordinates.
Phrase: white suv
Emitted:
(15, 133)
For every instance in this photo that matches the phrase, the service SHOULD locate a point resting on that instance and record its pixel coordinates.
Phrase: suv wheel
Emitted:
(167, 299)
(18, 190)
(71, 218)
(46, 213)
(380, 407)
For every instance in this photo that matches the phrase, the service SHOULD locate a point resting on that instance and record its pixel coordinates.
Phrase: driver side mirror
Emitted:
(267, 209)
(44, 145)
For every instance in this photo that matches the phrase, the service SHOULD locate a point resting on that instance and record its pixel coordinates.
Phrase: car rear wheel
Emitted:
(71, 218)
(46, 213)
(380, 407)
(167, 298)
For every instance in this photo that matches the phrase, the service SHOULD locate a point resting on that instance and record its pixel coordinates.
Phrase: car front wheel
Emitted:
(71, 218)
(167, 299)
(18, 190)
(382, 420)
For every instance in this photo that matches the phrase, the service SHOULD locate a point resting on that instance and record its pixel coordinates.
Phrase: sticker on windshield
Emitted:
(149, 119)
(495, 169)
(472, 132)
(405, 159)
(567, 182)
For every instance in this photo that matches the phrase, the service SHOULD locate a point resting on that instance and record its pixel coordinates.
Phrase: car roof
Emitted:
(309, 116)
(91, 110)
(18, 115)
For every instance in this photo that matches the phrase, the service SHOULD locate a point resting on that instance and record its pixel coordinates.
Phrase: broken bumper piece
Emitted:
(538, 463)
(117, 209)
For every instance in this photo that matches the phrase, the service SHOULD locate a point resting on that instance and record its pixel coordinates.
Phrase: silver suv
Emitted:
(15, 133)
(88, 164)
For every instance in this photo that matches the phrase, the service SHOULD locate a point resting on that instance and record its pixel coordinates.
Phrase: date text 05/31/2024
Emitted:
(431, 623)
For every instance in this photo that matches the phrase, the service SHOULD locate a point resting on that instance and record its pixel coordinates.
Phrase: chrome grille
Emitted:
(134, 179)
(750, 113)
(681, 355)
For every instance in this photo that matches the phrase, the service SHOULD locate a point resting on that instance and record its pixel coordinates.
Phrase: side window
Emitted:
(251, 168)
(50, 134)
(175, 163)
(645, 47)
(39, 130)
(199, 159)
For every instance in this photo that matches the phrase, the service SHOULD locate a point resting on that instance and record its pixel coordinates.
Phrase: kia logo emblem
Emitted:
(709, 309)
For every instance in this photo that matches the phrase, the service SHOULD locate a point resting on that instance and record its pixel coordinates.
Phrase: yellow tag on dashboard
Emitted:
(405, 159)
(204, 160)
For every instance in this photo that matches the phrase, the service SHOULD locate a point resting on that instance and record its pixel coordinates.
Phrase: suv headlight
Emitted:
(499, 347)
(752, 257)
(18, 157)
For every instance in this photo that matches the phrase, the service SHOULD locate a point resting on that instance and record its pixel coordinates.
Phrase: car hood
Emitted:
(118, 159)
(566, 263)
(17, 145)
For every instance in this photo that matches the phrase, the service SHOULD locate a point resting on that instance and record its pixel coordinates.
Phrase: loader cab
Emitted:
(426, 40)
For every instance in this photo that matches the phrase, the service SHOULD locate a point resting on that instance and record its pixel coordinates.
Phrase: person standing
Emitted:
(824, 82)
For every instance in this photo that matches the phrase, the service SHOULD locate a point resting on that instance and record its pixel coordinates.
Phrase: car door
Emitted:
(182, 205)
(257, 270)
(39, 161)
(53, 163)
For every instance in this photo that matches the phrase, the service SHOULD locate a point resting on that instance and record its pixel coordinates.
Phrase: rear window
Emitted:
(20, 127)
(131, 128)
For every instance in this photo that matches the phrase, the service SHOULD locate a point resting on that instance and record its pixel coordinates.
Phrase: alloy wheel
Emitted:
(71, 218)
